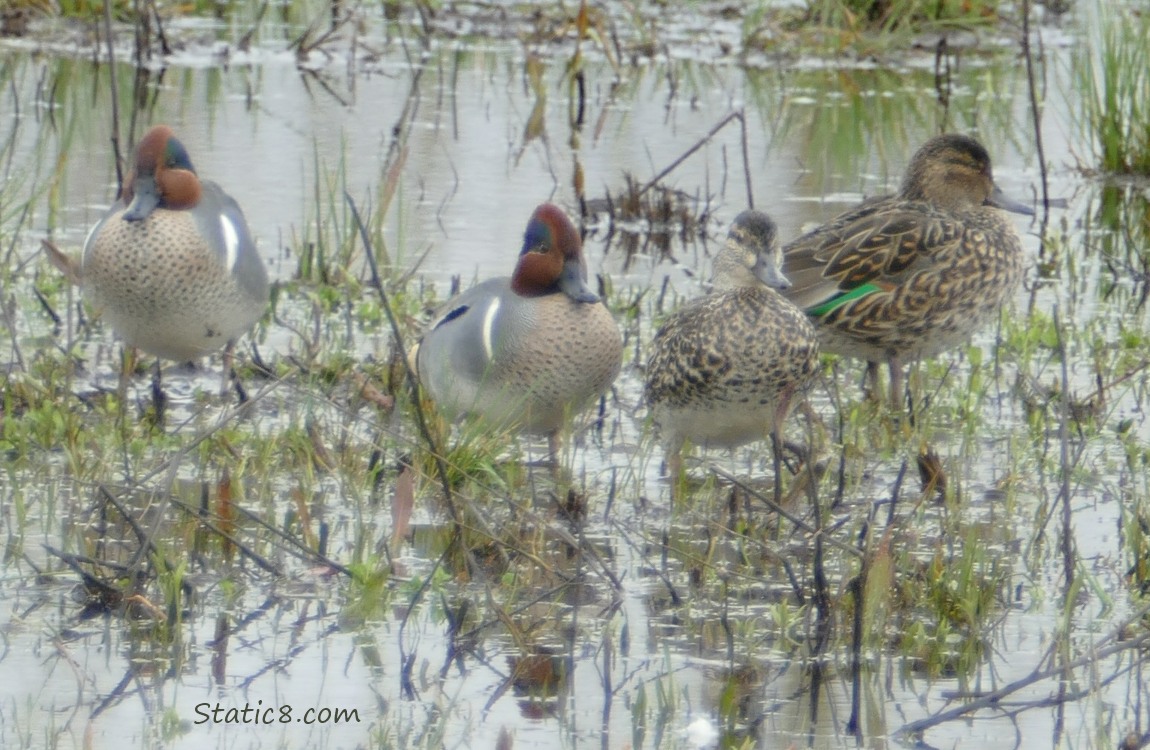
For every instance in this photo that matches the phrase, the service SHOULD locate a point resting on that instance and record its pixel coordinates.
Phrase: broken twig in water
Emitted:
(738, 115)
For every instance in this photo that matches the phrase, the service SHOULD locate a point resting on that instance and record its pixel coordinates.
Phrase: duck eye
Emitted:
(176, 156)
(537, 239)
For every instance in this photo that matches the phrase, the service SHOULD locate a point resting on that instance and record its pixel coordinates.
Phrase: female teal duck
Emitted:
(531, 350)
(913, 274)
(172, 265)
(725, 368)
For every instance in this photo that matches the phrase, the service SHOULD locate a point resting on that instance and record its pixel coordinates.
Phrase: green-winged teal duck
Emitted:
(916, 273)
(725, 368)
(172, 265)
(528, 351)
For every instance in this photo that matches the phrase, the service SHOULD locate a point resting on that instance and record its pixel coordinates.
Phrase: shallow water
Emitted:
(821, 136)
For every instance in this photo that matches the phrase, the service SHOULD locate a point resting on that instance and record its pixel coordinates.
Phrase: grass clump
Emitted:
(840, 24)
(954, 599)
(897, 15)
(1111, 73)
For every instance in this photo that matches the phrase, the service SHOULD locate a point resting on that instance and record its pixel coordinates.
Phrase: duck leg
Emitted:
(127, 365)
(230, 377)
(159, 398)
(897, 396)
(777, 464)
(872, 388)
(777, 444)
(675, 474)
(554, 447)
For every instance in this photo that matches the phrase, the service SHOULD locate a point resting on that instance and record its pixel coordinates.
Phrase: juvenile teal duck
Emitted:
(725, 368)
(531, 350)
(913, 274)
(172, 265)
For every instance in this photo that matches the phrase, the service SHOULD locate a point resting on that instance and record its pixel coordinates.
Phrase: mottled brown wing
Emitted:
(877, 243)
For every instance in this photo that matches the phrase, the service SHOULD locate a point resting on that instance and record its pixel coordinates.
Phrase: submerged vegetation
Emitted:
(322, 540)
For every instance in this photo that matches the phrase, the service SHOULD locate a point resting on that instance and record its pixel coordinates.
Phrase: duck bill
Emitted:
(999, 199)
(770, 274)
(145, 199)
(573, 282)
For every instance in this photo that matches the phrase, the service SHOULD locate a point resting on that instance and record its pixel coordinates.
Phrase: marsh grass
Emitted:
(891, 16)
(476, 454)
(1111, 72)
(27, 170)
(327, 243)
(963, 597)
(863, 27)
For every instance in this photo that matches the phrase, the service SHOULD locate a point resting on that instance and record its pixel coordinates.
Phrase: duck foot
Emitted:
(238, 387)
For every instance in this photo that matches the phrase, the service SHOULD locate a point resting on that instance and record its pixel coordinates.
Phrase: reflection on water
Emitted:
(483, 133)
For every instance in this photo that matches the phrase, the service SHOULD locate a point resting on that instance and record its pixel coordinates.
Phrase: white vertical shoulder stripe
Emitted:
(91, 234)
(231, 242)
(489, 316)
